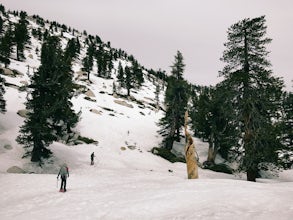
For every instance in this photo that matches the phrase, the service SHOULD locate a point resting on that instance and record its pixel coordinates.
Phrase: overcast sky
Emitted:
(153, 30)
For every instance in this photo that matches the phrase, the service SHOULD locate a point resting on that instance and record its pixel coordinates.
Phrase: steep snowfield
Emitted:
(124, 183)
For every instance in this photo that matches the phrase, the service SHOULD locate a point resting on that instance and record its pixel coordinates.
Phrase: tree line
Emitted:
(247, 117)
(50, 114)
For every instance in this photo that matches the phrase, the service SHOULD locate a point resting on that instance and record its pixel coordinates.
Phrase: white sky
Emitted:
(154, 30)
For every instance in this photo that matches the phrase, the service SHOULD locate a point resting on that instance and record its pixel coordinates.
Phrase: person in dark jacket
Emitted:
(64, 173)
(92, 158)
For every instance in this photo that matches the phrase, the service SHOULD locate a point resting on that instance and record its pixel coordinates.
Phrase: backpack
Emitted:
(64, 170)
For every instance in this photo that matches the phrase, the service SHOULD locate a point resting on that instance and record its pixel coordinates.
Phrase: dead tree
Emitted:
(191, 162)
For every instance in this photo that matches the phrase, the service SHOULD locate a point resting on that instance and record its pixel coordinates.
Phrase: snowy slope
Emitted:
(124, 183)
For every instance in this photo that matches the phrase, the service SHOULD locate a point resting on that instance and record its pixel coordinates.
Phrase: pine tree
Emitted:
(21, 36)
(2, 9)
(72, 50)
(50, 115)
(254, 93)
(64, 117)
(137, 71)
(176, 99)
(211, 120)
(286, 154)
(6, 44)
(1, 24)
(88, 60)
(130, 77)
(104, 59)
(157, 95)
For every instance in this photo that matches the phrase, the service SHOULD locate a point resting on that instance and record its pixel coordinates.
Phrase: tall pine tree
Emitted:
(130, 77)
(21, 35)
(49, 108)
(6, 44)
(254, 92)
(176, 99)
(88, 60)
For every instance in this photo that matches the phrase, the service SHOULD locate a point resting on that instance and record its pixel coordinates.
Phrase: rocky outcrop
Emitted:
(123, 103)
(7, 147)
(96, 111)
(89, 93)
(22, 113)
(7, 72)
(15, 169)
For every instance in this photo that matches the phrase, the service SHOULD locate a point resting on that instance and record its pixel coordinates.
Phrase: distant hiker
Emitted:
(92, 158)
(64, 173)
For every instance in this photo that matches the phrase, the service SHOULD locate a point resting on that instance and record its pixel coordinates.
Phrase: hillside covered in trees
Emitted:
(65, 94)
(245, 119)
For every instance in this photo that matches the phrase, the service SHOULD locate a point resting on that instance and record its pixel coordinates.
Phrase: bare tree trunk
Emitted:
(211, 152)
(211, 159)
(37, 150)
(251, 174)
(170, 139)
(192, 169)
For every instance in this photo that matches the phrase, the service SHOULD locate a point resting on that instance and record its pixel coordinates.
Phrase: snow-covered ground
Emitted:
(127, 181)
(146, 191)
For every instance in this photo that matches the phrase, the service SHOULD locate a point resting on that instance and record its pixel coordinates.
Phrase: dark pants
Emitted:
(63, 183)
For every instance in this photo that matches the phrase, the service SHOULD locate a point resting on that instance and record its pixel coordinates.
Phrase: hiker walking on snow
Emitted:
(64, 173)
(92, 158)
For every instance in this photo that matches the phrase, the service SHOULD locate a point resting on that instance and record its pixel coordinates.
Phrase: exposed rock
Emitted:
(7, 72)
(149, 99)
(123, 103)
(10, 72)
(89, 99)
(107, 109)
(89, 93)
(123, 148)
(223, 168)
(80, 88)
(22, 113)
(30, 56)
(22, 88)
(96, 111)
(131, 147)
(15, 169)
(7, 147)
(81, 73)
(24, 82)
